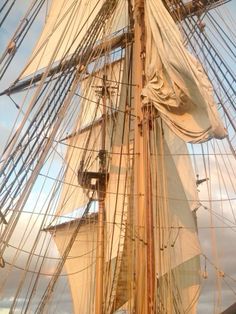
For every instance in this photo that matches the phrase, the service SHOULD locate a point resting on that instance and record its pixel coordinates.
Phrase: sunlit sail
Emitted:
(120, 166)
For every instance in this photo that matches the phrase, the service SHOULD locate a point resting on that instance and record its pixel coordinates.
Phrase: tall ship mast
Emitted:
(117, 175)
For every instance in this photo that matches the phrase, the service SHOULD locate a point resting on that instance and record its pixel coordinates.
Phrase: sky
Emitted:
(225, 239)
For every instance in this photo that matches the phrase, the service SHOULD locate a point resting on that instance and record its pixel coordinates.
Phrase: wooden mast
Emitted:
(101, 207)
(145, 259)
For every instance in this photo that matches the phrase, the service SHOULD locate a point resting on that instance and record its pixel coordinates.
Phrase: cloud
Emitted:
(217, 238)
(60, 302)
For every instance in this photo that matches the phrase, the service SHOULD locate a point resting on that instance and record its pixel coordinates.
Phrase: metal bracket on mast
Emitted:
(2, 218)
(2, 262)
(91, 180)
(150, 113)
(200, 181)
(105, 89)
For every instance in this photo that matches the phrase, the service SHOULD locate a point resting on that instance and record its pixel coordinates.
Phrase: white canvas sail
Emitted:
(86, 143)
(176, 83)
(66, 25)
(177, 245)
(117, 203)
(90, 92)
(80, 264)
(180, 290)
(150, 230)
(73, 196)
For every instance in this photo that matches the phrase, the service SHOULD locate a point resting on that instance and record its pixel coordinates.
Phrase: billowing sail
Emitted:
(80, 264)
(85, 144)
(176, 242)
(66, 25)
(73, 196)
(180, 288)
(176, 83)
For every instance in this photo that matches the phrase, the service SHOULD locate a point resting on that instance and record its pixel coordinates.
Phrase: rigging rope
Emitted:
(7, 12)
(53, 281)
(49, 109)
(20, 34)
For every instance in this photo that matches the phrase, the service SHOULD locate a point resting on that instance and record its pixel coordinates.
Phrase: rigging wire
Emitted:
(221, 218)
(20, 34)
(206, 154)
(54, 112)
(3, 5)
(50, 274)
(216, 267)
(7, 11)
(107, 106)
(218, 28)
(47, 294)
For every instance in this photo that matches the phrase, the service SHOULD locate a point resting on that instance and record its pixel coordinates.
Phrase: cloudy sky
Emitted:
(225, 236)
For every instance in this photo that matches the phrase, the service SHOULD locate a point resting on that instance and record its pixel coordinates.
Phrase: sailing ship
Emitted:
(121, 157)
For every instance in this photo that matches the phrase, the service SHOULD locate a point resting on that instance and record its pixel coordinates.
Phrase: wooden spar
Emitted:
(180, 10)
(90, 55)
(101, 209)
(230, 310)
(145, 271)
(138, 184)
(100, 258)
(151, 282)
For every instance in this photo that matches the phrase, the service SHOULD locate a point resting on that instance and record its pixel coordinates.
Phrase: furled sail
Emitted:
(176, 83)
(67, 24)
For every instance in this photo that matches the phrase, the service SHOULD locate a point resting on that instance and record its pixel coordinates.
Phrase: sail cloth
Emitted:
(73, 196)
(117, 203)
(80, 264)
(183, 287)
(175, 199)
(83, 146)
(85, 142)
(176, 82)
(66, 25)
(181, 198)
